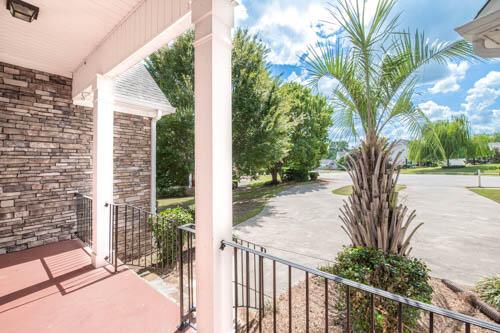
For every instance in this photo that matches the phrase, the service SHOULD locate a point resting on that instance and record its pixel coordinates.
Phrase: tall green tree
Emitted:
(173, 70)
(260, 119)
(312, 117)
(376, 66)
(260, 122)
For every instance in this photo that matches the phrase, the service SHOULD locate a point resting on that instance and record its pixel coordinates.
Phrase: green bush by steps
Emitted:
(394, 273)
(164, 227)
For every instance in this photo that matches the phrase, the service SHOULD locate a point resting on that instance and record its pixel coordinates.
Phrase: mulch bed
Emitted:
(442, 297)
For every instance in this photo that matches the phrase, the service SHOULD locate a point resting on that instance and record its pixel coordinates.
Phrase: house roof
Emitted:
(136, 86)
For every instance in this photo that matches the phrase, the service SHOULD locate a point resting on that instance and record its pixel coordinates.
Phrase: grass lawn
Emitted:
(486, 169)
(347, 190)
(248, 201)
(490, 193)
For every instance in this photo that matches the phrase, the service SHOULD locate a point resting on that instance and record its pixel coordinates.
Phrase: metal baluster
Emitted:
(307, 302)
(326, 305)
(467, 328)
(125, 258)
(262, 301)
(255, 280)
(181, 279)
(190, 273)
(274, 296)
(116, 239)
(150, 226)
(290, 299)
(247, 264)
(348, 309)
(431, 322)
(242, 280)
(372, 314)
(236, 290)
(110, 226)
(400, 317)
(145, 239)
(133, 244)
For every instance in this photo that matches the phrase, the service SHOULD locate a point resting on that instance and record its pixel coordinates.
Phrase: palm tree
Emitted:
(376, 67)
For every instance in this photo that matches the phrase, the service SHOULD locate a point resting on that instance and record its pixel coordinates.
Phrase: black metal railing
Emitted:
(186, 260)
(267, 310)
(141, 239)
(83, 205)
(186, 257)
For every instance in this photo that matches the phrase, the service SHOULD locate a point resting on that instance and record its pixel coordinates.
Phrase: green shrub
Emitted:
(396, 274)
(298, 175)
(172, 192)
(313, 175)
(165, 232)
(488, 290)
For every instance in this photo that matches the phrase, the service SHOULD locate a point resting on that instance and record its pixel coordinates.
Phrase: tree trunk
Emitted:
(448, 162)
(372, 216)
(274, 175)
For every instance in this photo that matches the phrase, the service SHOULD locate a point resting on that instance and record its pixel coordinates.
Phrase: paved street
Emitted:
(460, 239)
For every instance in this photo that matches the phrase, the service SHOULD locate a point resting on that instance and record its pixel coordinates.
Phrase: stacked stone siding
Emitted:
(132, 160)
(45, 157)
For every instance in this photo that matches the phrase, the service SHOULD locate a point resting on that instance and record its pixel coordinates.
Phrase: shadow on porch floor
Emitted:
(54, 288)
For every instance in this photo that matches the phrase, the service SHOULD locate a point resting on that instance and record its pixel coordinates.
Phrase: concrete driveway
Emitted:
(460, 239)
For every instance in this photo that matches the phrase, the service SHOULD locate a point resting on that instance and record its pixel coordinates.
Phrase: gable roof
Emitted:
(136, 86)
(482, 9)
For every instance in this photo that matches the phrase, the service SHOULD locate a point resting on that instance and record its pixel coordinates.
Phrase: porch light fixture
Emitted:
(22, 10)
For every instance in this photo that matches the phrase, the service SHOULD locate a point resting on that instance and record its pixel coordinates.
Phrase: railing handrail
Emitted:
(78, 194)
(375, 291)
(131, 206)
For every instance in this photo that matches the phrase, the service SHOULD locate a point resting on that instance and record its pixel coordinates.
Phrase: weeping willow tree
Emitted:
(376, 69)
(442, 140)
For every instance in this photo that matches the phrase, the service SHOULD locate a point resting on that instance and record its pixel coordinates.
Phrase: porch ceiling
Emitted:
(63, 35)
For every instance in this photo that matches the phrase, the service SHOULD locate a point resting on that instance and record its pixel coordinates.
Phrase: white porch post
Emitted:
(154, 120)
(213, 20)
(102, 172)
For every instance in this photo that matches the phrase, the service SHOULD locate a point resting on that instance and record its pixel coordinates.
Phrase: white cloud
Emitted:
(240, 14)
(484, 93)
(289, 29)
(326, 85)
(456, 73)
(436, 111)
(293, 77)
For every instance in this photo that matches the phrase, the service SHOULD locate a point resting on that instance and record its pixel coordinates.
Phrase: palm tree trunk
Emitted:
(371, 216)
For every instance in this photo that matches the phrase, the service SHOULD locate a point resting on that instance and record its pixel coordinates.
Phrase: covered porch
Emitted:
(54, 288)
(61, 104)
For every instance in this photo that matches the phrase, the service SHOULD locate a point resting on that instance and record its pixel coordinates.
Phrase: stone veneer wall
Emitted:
(45, 157)
(132, 160)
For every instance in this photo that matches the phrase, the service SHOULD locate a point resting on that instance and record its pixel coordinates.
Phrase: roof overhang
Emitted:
(484, 33)
(81, 38)
(125, 104)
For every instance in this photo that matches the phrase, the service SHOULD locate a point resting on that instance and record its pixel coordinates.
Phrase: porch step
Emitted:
(168, 290)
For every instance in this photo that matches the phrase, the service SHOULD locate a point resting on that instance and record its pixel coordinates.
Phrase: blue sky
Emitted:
(288, 27)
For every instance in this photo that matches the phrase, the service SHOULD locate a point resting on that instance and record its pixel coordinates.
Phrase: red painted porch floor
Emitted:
(54, 288)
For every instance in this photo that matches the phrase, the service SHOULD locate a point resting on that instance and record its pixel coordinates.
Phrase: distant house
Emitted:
(494, 146)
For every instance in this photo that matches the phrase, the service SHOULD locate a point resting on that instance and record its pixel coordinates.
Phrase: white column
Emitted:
(102, 172)
(153, 163)
(213, 20)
